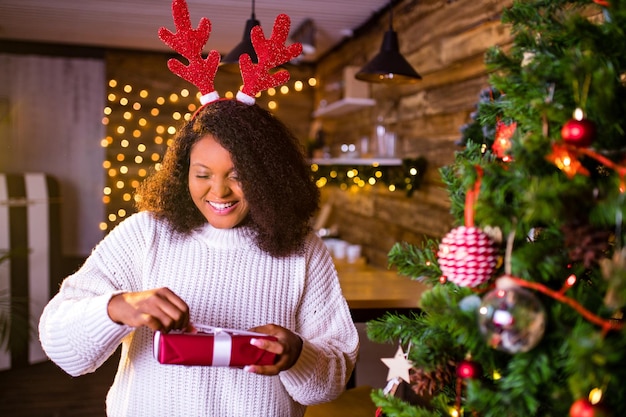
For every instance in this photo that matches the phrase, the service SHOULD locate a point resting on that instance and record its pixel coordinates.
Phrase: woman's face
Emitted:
(214, 185)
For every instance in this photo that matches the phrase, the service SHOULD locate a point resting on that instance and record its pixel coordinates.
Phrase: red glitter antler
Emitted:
(189, 42)
(271, 53)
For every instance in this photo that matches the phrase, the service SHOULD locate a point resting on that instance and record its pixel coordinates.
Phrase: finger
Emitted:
(173, 304)
(281, 362)
(173, 298)
(268, 329)
(269, 345)
(159, 310)
(174, 308)
(171, 317)
(152, 322)
(262, 369)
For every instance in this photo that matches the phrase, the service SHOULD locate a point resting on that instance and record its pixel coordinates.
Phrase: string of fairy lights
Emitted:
(403, 175)
(140, 125)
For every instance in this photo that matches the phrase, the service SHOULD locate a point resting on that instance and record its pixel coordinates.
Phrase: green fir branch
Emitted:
(417, 263)
(397, 407)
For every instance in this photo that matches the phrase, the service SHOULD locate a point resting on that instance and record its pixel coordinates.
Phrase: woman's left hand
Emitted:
(287, 349)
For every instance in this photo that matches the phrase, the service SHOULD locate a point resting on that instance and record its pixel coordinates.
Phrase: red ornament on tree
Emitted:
(468, 369)
(467, 256)
(502, 141)
(584, 408)
(579, 132)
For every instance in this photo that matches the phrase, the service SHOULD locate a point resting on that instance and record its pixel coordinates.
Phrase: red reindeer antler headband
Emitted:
(189, 42)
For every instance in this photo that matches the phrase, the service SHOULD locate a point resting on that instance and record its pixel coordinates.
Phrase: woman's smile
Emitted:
(222, 208)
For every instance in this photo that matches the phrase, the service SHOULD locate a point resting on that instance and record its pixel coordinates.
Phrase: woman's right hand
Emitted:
(159, 309)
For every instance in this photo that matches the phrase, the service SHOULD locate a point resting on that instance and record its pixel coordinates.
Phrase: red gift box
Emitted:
(211, 347)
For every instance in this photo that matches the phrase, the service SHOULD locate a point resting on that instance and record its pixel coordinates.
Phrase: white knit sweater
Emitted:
(227, 282)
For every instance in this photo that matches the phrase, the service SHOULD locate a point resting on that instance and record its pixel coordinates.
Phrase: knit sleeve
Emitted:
(75, 329)
(330, 339)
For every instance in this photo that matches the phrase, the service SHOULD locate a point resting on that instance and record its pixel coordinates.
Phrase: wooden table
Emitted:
(371, 291)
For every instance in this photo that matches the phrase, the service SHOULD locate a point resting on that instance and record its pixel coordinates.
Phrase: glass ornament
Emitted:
(511, 319)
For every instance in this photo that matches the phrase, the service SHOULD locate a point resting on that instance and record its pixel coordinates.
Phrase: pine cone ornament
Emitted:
(426, 384)
(586, 243)
(467, 256)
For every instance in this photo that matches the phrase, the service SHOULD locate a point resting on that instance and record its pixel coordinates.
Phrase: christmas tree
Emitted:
(524, 317)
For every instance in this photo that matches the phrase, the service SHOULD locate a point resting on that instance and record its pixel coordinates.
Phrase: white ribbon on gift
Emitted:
(222, 344)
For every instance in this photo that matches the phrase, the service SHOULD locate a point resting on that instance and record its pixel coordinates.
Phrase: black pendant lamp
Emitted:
(245, 46)
(389, 66)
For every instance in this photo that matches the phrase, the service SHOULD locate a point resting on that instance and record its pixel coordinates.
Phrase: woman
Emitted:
(223, 239)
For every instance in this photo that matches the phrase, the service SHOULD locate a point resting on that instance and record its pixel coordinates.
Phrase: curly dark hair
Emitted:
(270, 164)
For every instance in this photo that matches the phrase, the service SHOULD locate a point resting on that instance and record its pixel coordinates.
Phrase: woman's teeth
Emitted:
(221, 206)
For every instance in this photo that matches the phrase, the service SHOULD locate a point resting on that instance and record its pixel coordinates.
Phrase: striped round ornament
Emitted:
(467, 256)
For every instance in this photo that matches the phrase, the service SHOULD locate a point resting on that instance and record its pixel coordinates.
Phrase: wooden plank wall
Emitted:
(445, 41)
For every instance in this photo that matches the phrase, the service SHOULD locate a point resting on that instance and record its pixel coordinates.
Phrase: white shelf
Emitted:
(343, 106)
(358, 161)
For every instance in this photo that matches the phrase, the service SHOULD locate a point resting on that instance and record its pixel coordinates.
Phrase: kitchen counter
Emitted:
(371, 291)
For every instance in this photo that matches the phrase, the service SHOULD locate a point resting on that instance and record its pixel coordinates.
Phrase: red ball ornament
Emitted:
(467, 369)
(579, 133)
(467, 256)
(584, 408)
